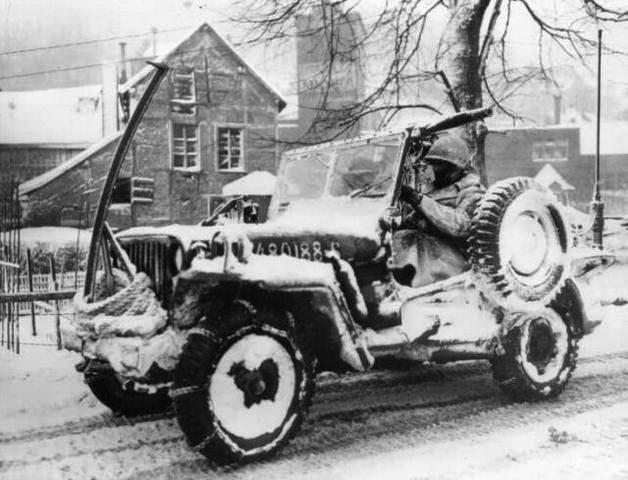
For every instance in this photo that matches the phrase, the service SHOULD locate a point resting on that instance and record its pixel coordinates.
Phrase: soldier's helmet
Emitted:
(450, 149)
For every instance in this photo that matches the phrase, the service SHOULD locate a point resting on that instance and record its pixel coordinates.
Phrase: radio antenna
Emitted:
(597, 205)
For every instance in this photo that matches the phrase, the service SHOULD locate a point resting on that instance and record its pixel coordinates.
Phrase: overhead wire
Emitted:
(91, 41)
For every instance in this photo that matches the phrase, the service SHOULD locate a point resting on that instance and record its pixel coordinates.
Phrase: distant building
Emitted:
(563, 156)
(213, 120)
(41, 129)
(329, 75)
(613, 162)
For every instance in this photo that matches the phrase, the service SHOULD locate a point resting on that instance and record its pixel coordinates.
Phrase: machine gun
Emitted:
(419, 135)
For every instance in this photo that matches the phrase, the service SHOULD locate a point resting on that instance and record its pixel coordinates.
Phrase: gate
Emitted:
(10, 224)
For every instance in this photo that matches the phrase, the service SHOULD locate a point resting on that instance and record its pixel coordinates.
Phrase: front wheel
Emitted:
(540, 351)
(122, 399)
(241, 397)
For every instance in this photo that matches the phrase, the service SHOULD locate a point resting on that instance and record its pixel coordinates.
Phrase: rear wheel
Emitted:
(540, 352)
(242, 395)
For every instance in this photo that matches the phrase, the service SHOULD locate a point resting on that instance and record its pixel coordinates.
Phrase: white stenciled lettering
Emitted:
(272, 249)
(317, 251)
(305, 252)
(285, 249)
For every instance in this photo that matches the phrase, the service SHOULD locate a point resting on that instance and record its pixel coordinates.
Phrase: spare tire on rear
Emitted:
(518, 244)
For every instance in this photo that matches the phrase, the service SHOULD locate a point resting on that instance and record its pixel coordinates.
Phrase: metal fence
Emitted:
(43, 282)
(10, 224)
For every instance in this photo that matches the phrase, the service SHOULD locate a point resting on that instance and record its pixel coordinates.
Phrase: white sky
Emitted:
(37, 22)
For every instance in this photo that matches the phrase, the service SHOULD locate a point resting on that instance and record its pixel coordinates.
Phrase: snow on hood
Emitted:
(276, 271)
(332, 216)
(354, 217)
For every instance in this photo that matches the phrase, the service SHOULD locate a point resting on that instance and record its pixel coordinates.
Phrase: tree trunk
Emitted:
(461, 64)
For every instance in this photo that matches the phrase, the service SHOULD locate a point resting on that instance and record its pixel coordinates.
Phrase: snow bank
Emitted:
(54, 237)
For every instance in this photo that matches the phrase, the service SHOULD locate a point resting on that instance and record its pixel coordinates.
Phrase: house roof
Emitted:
(548, 175)
(258, 182)
(613, 138)
(61, 116)
(45, 178)
(171, 50)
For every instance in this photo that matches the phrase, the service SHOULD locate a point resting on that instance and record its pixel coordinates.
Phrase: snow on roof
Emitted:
(172, 47)
(259, 182)
(45, 178)
(56, 116)
(613, 138)
(548, 176)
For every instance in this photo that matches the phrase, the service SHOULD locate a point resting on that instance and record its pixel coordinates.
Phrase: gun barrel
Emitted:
(457, 120)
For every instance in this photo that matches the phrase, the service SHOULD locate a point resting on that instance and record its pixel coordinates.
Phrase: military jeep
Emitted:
(253, 311)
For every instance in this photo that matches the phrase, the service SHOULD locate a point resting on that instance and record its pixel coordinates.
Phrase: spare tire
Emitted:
(518, 244)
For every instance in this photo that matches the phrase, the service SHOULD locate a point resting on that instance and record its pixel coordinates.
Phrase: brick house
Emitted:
(212, 120)
(526, 151)
(570, 151)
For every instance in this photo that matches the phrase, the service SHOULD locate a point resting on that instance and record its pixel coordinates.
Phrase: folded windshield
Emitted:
(361, 168)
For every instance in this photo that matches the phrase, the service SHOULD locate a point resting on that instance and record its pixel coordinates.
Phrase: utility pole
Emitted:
(597, 205)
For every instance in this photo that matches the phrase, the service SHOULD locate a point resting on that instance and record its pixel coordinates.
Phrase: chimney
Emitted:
(154, 32)
(109, 99)
(557, 107)
(123, 75)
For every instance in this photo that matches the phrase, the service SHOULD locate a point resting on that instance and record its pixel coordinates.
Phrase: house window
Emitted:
(185, 146)
(230, 148)
(121, 191)
(183, 93)
(550, 151)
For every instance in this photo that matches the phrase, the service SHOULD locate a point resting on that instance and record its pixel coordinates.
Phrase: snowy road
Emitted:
(436, 422)
(429, 422)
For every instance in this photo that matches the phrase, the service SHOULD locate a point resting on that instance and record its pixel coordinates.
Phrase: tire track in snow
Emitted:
(346, 410)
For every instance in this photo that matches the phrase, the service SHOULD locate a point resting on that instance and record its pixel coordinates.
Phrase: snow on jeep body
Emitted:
(318, 272)
(230, 321)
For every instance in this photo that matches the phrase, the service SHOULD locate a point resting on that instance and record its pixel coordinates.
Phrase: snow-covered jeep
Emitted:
(233, 321)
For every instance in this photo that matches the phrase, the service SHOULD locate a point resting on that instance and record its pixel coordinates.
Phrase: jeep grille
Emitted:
(154, 257)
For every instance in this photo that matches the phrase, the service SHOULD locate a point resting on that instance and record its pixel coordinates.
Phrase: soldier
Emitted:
(442, 202)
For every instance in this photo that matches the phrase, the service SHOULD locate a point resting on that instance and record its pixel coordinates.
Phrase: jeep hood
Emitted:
(304, 229)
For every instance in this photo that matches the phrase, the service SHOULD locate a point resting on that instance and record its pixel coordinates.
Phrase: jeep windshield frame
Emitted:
(362, 167)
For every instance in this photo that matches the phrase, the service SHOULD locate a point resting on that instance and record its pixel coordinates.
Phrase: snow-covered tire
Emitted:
(518, 244)
(243, 384)
(107, 387)
(539, 355)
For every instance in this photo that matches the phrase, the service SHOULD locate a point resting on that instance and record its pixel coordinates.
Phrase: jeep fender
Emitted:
(308, 289)
(573, 308)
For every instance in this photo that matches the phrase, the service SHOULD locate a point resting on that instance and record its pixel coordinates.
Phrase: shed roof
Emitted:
(172, 48)
(548, 175)
(60, 116)
(45, 178)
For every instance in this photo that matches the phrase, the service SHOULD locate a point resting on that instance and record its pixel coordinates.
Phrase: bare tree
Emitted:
(470, 62)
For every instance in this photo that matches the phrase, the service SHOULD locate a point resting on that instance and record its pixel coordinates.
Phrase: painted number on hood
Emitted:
(307, 251)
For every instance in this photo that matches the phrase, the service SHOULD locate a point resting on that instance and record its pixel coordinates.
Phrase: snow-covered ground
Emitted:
(41, 392)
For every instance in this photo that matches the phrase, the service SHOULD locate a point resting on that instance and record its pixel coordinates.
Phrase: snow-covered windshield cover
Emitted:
(364, 168)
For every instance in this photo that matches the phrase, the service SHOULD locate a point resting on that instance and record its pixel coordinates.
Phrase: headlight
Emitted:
(177, 259)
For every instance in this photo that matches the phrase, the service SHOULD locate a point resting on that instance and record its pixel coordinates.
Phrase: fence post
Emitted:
(53, 275)
(29, 266)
